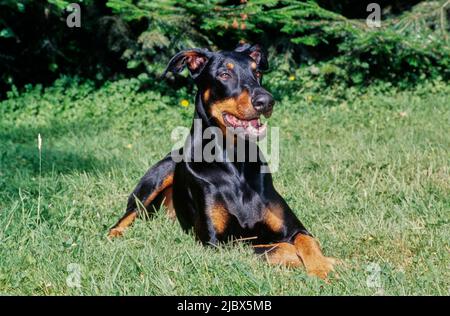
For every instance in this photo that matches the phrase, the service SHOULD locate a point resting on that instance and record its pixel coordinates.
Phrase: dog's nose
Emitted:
(263, 102)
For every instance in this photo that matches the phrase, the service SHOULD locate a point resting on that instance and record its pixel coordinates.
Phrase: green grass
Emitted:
(369, 178)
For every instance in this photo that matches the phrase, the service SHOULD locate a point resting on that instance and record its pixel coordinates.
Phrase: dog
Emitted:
(223, 200)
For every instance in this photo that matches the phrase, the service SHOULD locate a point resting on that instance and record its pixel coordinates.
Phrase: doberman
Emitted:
(227, 199)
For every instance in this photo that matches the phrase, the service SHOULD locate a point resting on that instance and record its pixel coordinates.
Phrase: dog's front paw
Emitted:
(321, 267)
(315, 262)
(115, 232)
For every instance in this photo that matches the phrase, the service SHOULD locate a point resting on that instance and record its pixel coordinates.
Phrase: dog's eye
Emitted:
(258, 74)
(224, 76)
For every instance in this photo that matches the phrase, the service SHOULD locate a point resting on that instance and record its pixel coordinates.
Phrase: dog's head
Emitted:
(229, 84)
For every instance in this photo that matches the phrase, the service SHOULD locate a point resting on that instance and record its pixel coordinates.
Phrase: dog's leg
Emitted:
(154, 185)
(304, 252)
(282, 222)
(279, 254)
(312, 257)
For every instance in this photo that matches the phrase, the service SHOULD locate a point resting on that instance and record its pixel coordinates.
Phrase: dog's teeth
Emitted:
(254, 127)
(232, 120)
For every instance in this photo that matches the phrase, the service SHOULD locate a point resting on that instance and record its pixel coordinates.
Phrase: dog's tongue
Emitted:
(233, 120)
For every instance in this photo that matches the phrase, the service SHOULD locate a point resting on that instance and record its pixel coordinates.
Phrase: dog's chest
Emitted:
(244, 202)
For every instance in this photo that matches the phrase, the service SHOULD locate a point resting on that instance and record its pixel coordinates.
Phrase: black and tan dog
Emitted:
(222, 200)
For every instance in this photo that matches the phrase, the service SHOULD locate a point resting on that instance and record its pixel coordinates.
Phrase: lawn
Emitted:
(369, 178)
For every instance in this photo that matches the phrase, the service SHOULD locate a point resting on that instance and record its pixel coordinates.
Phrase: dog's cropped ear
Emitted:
(255, 52)
(194, 59)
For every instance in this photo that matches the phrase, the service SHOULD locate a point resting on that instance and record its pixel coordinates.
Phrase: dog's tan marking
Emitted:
(123, 223)
(230, 66)
(280, 254)
(219, 217)
(206, 95)
(168, 181)
(312, 257)
(253, 65)
(274, 218)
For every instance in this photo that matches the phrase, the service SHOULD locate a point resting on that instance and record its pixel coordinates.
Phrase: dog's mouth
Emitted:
(251, 127)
